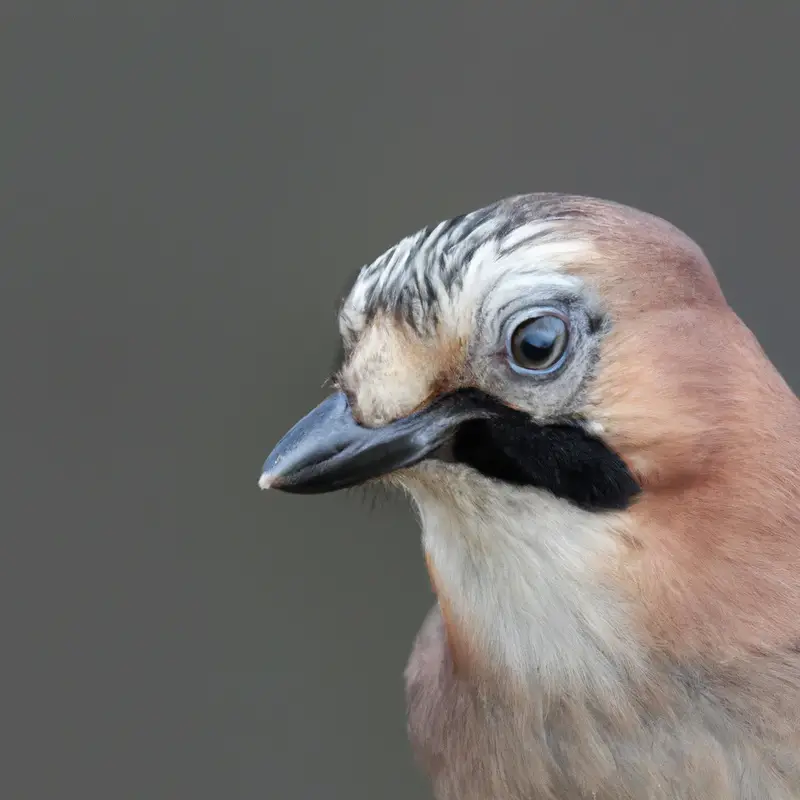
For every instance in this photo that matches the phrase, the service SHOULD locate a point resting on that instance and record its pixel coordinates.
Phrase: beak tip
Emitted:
(267, 481)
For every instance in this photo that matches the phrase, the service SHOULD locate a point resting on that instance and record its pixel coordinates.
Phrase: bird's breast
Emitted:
(659, 743)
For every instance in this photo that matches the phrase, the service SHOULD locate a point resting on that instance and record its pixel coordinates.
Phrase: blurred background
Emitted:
(186, 190)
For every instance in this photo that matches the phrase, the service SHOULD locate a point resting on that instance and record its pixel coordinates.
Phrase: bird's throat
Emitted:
(456, 644)
(520, 578)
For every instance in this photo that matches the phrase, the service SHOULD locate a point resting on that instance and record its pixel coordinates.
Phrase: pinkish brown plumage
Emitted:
(607, 472)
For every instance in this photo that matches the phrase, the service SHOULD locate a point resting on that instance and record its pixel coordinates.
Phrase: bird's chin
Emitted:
(436, 471)
(441, 478)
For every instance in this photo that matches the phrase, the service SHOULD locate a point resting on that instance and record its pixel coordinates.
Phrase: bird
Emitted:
(605, 465)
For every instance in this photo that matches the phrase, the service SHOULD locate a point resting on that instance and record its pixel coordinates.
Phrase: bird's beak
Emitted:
(328, 450)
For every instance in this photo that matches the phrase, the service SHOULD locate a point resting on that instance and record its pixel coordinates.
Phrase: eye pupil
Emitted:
(538, 344)
(538, 340)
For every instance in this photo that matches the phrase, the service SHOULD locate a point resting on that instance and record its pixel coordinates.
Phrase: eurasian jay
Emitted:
(606, 468)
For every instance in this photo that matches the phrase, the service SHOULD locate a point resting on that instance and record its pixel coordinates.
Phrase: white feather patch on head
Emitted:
(455, 275)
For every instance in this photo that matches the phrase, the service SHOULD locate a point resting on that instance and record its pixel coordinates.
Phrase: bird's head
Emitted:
(560, 385)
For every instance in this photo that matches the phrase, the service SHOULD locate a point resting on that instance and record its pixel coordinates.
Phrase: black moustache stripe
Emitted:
(564, 458)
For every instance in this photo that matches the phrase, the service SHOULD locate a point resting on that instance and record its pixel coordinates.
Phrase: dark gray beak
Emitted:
(328, 450)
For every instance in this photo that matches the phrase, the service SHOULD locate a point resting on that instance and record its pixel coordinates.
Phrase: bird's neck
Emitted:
(521, 579)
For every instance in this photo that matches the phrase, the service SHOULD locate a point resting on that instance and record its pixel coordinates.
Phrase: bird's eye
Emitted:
(539, 343)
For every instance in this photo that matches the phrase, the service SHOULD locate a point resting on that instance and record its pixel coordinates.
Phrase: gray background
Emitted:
(185, 191)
